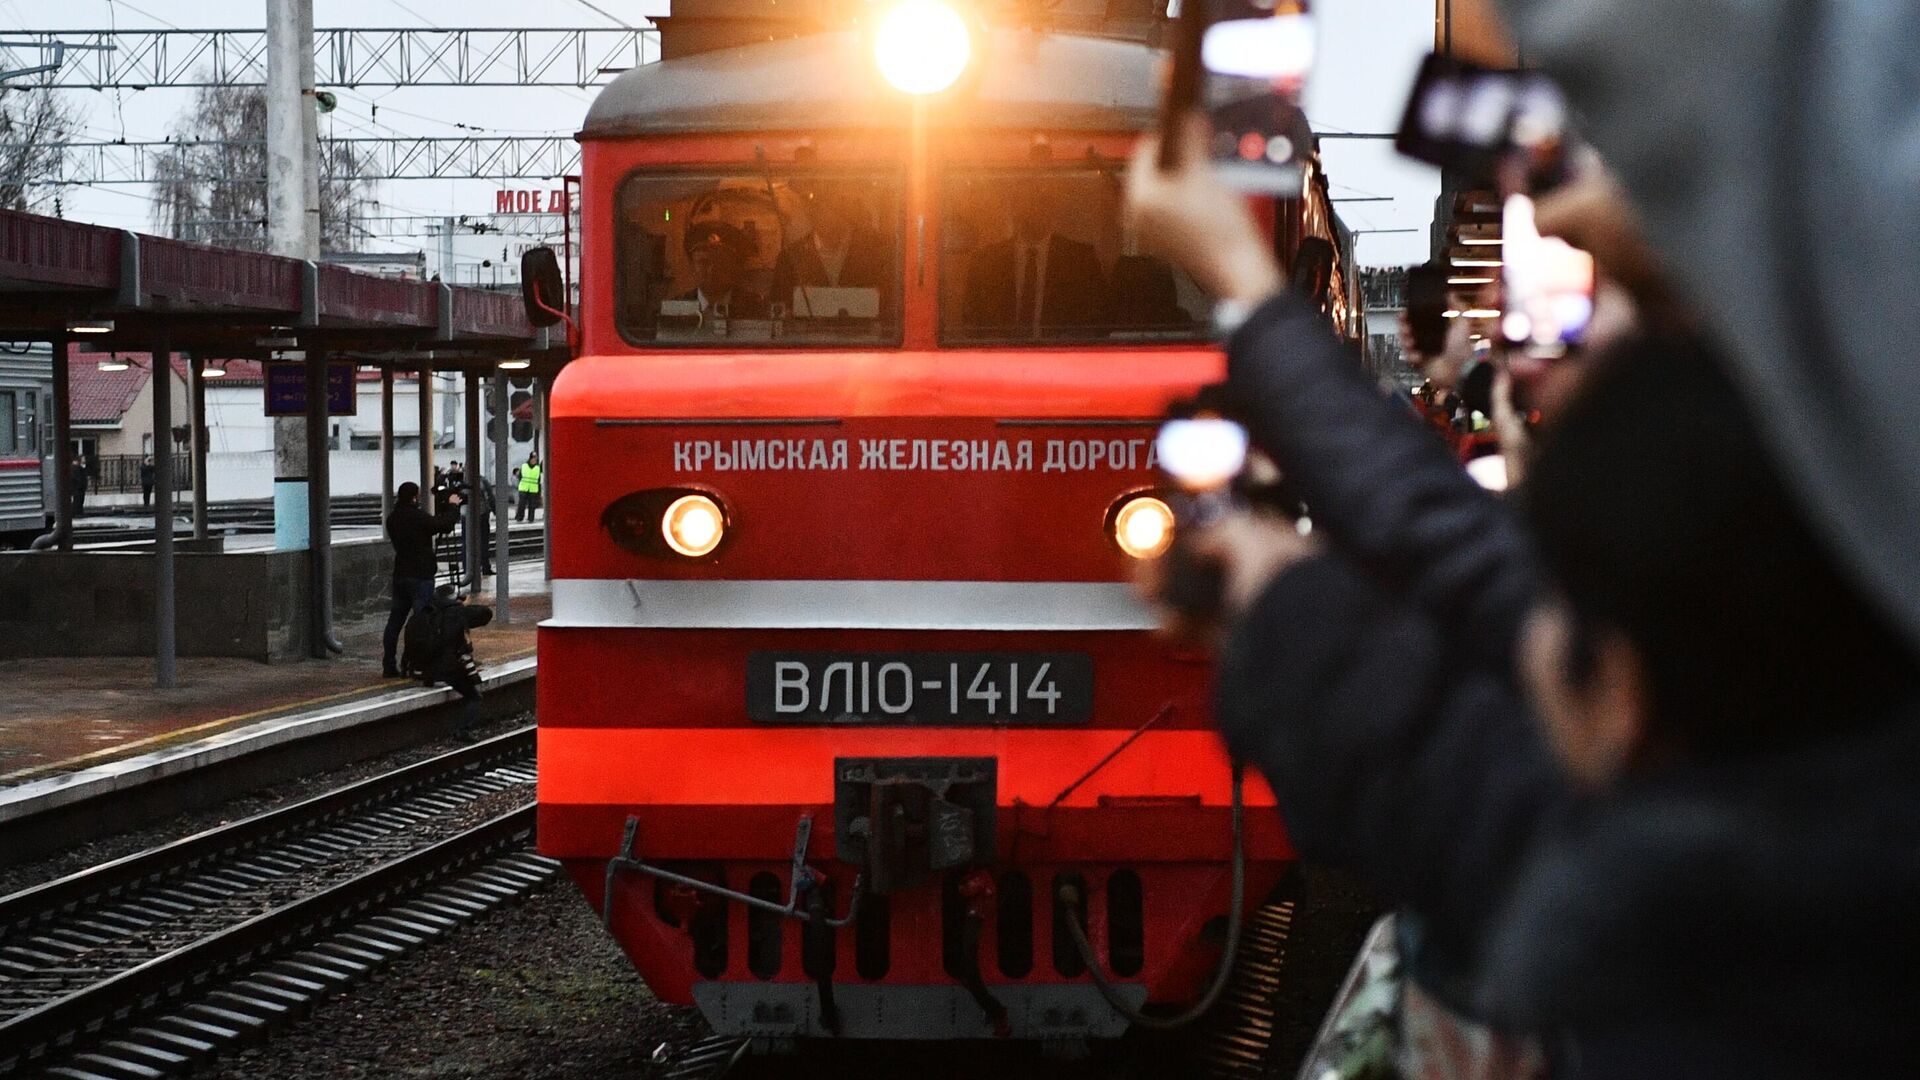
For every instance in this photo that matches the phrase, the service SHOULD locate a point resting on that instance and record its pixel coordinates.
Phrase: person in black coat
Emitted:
(411, 531)
(146, 480)
(77, 485)
(1036, 281)
(839, 250)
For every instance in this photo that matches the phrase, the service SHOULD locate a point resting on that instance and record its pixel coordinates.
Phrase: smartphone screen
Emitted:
(1246, 62)
(1548, 282)
(1475, 120)
(1201, 453)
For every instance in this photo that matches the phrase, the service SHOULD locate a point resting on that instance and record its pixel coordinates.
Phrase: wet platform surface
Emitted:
(63, 714)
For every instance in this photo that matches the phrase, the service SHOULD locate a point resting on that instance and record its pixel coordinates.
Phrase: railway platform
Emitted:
(64, 715)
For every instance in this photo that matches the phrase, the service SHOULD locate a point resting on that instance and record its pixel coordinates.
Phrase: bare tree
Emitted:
(212, 188)
(35, 125)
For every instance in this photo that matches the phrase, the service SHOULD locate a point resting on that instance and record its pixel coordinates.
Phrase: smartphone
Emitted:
(1245, 62)
(1202, 453)
(1479, 122)
(1548, 283)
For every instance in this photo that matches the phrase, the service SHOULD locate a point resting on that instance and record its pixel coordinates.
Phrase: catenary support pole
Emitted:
(293, 225)
(474, 536)
(428, 433)
(197, 425)
(386, 441)
(165, 673)
(502, 521)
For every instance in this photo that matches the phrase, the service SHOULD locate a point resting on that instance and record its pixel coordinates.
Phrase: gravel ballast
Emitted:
(540, 991)
(536, 991)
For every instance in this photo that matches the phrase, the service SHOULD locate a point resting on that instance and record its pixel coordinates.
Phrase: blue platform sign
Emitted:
(287, 389)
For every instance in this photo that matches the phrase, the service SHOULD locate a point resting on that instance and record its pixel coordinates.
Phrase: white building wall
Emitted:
(240, 439)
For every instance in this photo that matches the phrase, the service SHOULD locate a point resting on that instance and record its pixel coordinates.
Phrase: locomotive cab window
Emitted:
(1039, 255)
(759, 257)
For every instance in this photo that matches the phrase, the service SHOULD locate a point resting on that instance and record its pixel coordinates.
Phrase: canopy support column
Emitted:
(61, 535)
(165, 667)
(544, 440)
(197, 424)
(474, 536)
(428, 436)
(386, 441)
(319, 511)
(502, 522)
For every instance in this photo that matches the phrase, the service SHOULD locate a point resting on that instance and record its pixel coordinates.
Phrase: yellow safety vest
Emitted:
(530, 479)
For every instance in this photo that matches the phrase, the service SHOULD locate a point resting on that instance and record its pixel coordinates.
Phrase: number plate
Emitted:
(919, 688)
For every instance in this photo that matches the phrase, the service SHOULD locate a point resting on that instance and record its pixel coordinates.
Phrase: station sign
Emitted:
(530, 201)
(287, 388)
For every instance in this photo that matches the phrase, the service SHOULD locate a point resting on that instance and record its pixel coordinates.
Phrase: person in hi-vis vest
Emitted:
(529, 489)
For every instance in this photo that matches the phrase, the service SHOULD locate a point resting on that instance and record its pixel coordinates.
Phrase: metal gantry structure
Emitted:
(347, 57)
(476, 157)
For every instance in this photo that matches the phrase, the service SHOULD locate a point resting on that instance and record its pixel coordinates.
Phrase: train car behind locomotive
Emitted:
(850, 722)
(26, 442)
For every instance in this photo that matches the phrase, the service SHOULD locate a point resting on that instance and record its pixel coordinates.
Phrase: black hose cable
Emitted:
(1236, 910)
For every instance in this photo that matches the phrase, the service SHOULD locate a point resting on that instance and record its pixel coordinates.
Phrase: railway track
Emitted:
(146, 965)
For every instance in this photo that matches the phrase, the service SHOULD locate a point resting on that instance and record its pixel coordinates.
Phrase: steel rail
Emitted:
(197, 964)
(31, 1034)
(48, 900)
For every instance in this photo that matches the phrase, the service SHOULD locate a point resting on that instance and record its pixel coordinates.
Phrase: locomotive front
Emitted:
(849, 718)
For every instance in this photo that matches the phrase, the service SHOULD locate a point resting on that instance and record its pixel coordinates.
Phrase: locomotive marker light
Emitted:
(922, 47)
(1144, 527)
(693, 525)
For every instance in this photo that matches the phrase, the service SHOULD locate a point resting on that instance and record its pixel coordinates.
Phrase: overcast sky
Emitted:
(1369, 50)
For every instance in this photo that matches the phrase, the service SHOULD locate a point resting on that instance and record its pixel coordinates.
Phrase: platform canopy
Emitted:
(57, 274)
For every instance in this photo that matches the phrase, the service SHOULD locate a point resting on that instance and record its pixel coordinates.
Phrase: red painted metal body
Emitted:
(648, 721)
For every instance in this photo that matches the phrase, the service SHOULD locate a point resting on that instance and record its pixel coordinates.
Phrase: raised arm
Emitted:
(1376, 480)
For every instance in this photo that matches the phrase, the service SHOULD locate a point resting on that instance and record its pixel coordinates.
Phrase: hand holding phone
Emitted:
(1549, 285)
(1202, 455)
(1244, 63)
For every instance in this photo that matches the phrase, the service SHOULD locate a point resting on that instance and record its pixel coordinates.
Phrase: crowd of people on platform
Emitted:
(1631, 748)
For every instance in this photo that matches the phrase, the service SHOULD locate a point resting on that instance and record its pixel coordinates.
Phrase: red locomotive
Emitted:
(849, 718)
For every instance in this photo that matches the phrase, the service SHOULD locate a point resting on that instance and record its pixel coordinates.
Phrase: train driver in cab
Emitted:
(718, 253)
(1036, 280)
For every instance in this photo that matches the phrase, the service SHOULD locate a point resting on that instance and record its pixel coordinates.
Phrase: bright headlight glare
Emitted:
(693, 525)
(1144, 527)
(922, 46)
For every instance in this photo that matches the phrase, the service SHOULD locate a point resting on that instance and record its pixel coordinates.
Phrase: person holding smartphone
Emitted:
(1592, 749)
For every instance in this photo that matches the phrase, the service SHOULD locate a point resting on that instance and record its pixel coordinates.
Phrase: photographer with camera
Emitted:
(1609, 858)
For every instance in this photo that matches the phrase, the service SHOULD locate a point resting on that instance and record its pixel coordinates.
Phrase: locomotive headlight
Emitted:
(1144, 527)
(693, 525)
(922, 46)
